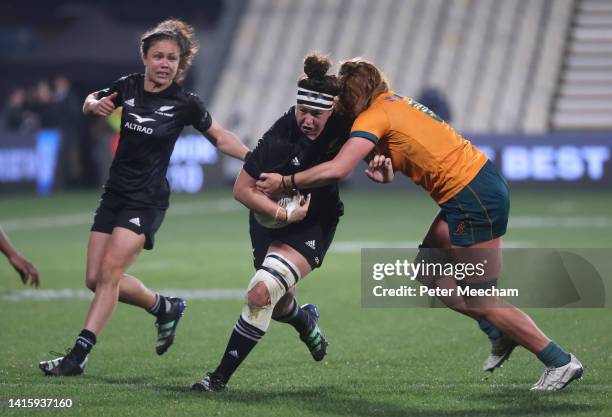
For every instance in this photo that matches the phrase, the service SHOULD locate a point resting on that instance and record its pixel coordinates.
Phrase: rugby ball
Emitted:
(285, 201)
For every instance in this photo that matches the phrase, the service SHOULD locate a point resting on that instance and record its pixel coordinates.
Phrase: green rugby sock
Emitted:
(552, 356)
(492, 332)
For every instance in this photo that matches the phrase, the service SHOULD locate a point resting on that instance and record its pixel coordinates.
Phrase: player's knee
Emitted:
(437, 236)
(259, 296)
(91, 280)
(429, 255)
(283, 270)
(92, 275)
(265, 289)
(276, 276)
(110, 272)
(257, 309)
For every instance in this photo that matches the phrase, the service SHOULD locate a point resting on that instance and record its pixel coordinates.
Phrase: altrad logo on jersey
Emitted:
(137, 127)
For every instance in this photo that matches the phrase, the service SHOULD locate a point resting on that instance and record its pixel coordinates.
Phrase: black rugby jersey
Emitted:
(286, 150)
(150, 126)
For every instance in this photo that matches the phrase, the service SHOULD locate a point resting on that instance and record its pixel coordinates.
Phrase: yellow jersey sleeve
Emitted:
(371, 124)
(420, 145)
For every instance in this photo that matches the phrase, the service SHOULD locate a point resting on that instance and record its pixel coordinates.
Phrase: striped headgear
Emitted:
(314, 99)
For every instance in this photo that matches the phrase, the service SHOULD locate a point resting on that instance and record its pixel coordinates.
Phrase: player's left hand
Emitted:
(270, 183)
(380, 169)
(26, 270)
(297, 214)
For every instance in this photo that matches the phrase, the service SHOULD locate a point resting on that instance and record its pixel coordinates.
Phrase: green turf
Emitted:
(381, 362)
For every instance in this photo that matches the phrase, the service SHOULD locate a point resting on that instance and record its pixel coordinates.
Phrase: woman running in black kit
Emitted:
(155, 110)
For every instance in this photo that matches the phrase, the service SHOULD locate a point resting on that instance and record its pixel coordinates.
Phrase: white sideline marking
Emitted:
(407, 387)
(82, 294)
(227, 205)
(62, 220)
(356, 246)
(565, 222)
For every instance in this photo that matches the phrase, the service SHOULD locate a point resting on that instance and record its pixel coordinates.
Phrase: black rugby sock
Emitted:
(83, 345)
(161, 307)
(243, 339)
(298, 318)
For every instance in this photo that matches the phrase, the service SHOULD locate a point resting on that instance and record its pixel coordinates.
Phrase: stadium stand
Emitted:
(498, 62)
(547, 69)
(584, 97)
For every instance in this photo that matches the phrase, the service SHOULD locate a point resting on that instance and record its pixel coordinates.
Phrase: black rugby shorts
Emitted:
(311, 239)
(117, 212)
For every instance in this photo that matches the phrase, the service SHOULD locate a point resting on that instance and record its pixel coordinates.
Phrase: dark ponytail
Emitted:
(315, 75)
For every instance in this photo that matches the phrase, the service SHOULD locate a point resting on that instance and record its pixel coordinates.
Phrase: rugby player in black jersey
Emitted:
(307, 135)
(156, 108)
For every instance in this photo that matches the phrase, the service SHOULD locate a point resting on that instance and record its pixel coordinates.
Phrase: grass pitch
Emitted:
(381, 362)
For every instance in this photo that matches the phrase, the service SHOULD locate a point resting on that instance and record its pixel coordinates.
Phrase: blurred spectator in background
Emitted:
(84, 157)
(26, 270)
(75, 149)
(13, 113)
(436, 101)
(28, 110)
(101, 143)
(41, 105)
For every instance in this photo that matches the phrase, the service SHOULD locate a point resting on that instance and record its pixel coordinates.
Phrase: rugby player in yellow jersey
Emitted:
(394, 134)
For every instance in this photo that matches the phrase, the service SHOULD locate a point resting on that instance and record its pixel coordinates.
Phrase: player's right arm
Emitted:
(104, 102)
(270, 155)
(99, 107)
(247, 193)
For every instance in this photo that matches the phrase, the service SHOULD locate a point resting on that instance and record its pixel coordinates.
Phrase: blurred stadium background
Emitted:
(529, 81)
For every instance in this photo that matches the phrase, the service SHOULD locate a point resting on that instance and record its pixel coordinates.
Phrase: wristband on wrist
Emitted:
(285, 186)
(294, 188)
